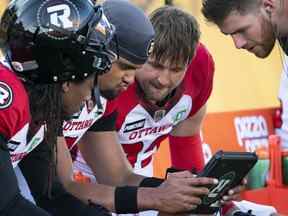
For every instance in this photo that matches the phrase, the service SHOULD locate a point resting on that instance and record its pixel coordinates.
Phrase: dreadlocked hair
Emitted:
(46, 108)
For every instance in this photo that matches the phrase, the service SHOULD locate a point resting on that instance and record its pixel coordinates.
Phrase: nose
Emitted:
(129, 77)
(164, 77)
(239, 41)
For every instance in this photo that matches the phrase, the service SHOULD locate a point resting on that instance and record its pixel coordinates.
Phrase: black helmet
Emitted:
(52, 41)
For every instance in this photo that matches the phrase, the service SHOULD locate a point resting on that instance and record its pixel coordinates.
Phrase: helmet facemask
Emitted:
(41, 58)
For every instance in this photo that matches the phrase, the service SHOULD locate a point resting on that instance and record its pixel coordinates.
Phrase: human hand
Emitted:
(234, 193)
(180, 214)
(181, 192)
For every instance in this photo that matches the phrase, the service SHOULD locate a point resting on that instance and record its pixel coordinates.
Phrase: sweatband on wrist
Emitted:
(186, 152)
(151, 182)
(126, 200)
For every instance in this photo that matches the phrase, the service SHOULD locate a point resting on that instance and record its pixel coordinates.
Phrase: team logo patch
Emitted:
(6, 95)
(62, 14)
(158, 115)
(134, 125)
(179, 116)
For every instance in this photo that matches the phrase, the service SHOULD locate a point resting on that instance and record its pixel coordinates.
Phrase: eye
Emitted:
(155, 65)
(126, 67)
(242, 31)
(178, 70)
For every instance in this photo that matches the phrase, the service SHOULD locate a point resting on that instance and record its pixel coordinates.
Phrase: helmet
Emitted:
(134, 31)
(51, 41)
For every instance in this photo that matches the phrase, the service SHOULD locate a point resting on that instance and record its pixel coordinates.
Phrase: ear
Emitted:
(66, 86)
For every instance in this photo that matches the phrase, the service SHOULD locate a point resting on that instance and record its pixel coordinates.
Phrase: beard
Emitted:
(109, 94)
(268, 38)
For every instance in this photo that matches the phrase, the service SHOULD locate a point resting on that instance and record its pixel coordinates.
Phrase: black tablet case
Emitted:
(229, 168)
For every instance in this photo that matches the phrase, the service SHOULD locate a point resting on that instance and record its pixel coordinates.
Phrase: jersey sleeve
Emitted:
(106, 123)
(203, 65)
(108, 120)
(8, 122)
(14, 105)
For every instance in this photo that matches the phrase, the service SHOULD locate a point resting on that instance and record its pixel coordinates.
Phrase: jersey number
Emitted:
(133, 150)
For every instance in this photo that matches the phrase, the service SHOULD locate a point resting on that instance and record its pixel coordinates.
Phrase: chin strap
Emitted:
(97, 97)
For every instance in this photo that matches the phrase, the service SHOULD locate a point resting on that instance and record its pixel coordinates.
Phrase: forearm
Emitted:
(105, 195)
(176, 194)
(87, 192)
(132, 179)
(92, 192)
(96, 147)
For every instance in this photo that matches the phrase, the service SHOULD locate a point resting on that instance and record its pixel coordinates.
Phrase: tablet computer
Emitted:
(229, 168)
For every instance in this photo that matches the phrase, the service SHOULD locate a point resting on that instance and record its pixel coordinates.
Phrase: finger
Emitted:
(181, 174)
(191, 190)
(223, 202)
(189, 204)
(231, 198)
(235, 197)
(193, 202)
(202, 181)
(236, 190)
(193, 207)
(244, 181)
(198, 191)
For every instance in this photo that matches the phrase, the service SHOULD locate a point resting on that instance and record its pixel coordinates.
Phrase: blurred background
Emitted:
(243, 110)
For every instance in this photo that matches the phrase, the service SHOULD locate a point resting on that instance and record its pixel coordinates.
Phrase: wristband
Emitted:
(126, 200)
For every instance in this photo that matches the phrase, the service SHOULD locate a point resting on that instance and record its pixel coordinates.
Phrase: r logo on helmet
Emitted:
(6, 95)
(61, 14)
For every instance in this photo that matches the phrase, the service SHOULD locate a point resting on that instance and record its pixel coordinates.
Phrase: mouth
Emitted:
(251, 49)
(155, 86)
(123, 87)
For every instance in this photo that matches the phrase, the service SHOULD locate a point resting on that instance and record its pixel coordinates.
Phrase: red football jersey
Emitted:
(86, 119)
(14, 105)
(15, 116)
(142, 126)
